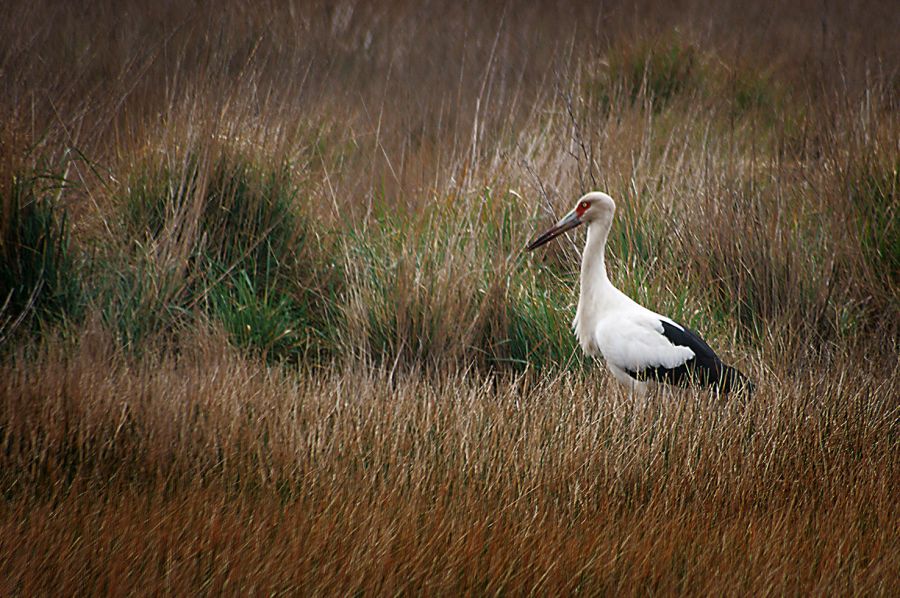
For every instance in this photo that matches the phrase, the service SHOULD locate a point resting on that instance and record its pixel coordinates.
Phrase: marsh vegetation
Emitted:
(267, 325)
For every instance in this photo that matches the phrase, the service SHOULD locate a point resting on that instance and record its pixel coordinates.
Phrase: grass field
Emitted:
(267, 326)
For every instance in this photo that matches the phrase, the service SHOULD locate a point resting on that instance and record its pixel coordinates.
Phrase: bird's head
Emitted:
(592, 207)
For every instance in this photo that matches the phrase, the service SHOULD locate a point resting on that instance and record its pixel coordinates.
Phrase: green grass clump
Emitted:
(38, 278)
(260, 319)
(752, 91)
(538, 329)
(658, 71)
(407, 308)
(138, 302)
(654, 73)
(229, 238)
(225, 209)
(876, 196)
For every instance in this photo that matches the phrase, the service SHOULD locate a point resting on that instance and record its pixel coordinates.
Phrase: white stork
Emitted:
(641, 347)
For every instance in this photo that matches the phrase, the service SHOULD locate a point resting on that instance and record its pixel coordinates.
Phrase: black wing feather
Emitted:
(705, 368)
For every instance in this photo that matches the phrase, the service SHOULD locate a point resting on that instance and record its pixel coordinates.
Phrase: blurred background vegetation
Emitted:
(356, 182)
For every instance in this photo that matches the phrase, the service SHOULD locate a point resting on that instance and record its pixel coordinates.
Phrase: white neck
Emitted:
(597, 293)
(594, 281)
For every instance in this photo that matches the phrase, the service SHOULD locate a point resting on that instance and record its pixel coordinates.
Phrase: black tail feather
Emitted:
(732, 380)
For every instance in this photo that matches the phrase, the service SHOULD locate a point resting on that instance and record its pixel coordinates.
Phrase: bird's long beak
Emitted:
(569, 221)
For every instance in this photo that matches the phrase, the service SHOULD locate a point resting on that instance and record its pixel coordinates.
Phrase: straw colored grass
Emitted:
(214, 473)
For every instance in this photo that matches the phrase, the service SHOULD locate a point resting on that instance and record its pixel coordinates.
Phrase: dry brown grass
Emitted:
(437, 435)
(213, 473)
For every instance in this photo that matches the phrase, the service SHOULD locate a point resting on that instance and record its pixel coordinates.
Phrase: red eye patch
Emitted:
(582, 208)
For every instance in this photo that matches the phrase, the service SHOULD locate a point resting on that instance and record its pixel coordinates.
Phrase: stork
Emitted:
(642, 348)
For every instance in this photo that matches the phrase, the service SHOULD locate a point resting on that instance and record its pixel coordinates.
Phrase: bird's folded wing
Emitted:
(637, 342)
